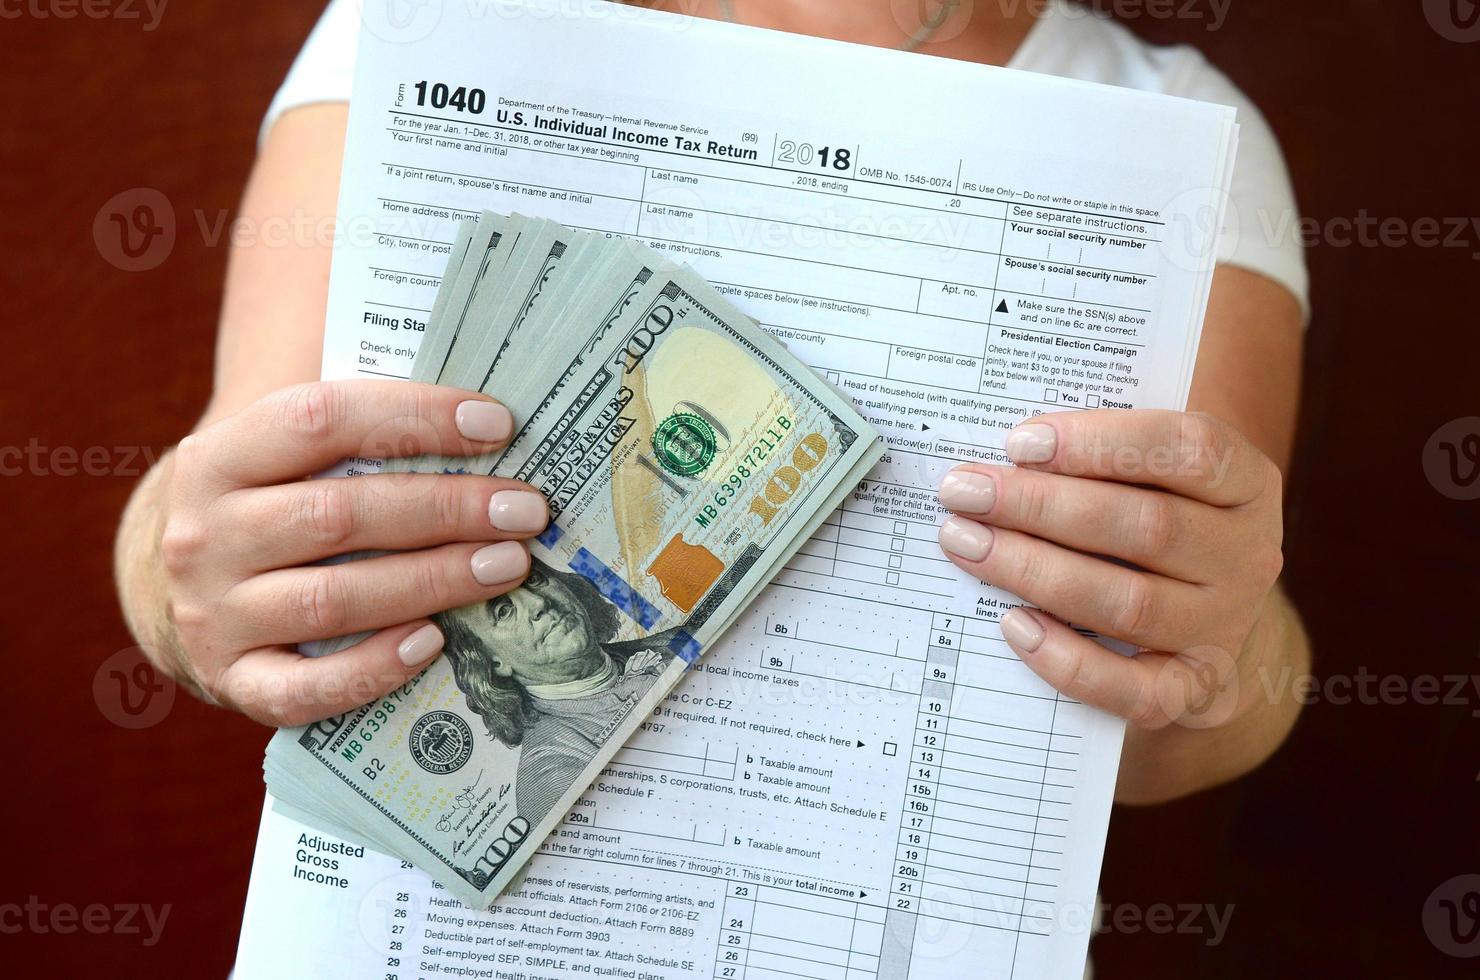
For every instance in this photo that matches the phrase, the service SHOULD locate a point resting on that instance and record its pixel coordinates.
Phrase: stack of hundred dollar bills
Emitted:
(686, 456)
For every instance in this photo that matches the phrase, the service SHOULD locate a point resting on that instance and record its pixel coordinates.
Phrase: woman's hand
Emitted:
(236, 585)
(1161, 529)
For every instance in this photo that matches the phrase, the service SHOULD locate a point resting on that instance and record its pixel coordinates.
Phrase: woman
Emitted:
(216, 552)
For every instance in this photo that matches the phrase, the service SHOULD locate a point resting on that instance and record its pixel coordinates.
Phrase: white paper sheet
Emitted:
(861, 782)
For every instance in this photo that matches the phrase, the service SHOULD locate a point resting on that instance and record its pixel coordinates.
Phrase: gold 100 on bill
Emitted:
(686, 456)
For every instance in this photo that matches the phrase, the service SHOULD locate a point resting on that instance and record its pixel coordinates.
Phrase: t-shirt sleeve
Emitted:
(1262, 229)
(324, 70)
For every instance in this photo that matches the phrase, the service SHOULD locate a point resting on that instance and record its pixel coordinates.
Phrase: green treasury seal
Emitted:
(684, 444)
(441, 742)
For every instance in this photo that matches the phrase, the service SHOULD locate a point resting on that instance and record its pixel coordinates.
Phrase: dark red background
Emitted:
(1328, 855)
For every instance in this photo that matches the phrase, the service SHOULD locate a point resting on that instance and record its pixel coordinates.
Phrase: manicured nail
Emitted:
(968, 493)
(499, 563)
(1031, 443)
(1021, 630)
(484, 421)
(420, 646)
(518, 511)
(965, 539)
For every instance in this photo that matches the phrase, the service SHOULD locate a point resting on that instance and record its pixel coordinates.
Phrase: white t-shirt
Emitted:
(1068, 40)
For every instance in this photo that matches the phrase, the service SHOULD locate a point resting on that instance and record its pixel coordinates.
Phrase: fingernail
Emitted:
(965, 539)
(420, 646)
(1021, 630)
(967, 492)
(1031, 443)
(484, 421)
(518, 511)
(499, 563)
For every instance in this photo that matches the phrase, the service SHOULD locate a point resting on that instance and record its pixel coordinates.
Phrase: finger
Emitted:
(1160, 531)
(1138, 607)
(293, 605)
(1192, 454)
(314, 519)
(1151, 690)
(302, 430)
(277, 686)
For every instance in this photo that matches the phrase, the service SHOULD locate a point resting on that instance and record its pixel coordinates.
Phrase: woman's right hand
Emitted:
(242, 531)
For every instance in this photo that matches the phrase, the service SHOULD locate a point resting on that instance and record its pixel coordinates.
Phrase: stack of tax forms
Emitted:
(686, 456)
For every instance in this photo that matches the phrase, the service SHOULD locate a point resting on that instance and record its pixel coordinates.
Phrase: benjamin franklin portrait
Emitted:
(541, 668)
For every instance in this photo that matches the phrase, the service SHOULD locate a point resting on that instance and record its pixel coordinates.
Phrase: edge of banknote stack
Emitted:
(686, 455)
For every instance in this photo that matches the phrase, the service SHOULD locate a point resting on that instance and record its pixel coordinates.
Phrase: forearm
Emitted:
(1247, 373)
(1167, 763)
(139, 573)
(269, 337)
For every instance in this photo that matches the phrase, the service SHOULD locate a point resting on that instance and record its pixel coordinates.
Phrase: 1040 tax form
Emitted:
(860, 781)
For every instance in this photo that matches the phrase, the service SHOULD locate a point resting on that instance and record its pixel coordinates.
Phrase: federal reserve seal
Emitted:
(441, 742)
(684, 444)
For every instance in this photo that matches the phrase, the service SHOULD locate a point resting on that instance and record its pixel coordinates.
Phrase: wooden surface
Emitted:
(1327, 856)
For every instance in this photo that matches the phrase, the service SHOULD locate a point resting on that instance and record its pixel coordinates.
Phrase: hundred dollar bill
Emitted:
(430, 341)
(686, 456)
(569, 333)
(534, 267)
(489, 244)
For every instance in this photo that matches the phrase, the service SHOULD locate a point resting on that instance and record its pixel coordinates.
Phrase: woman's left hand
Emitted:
(1183, 499)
